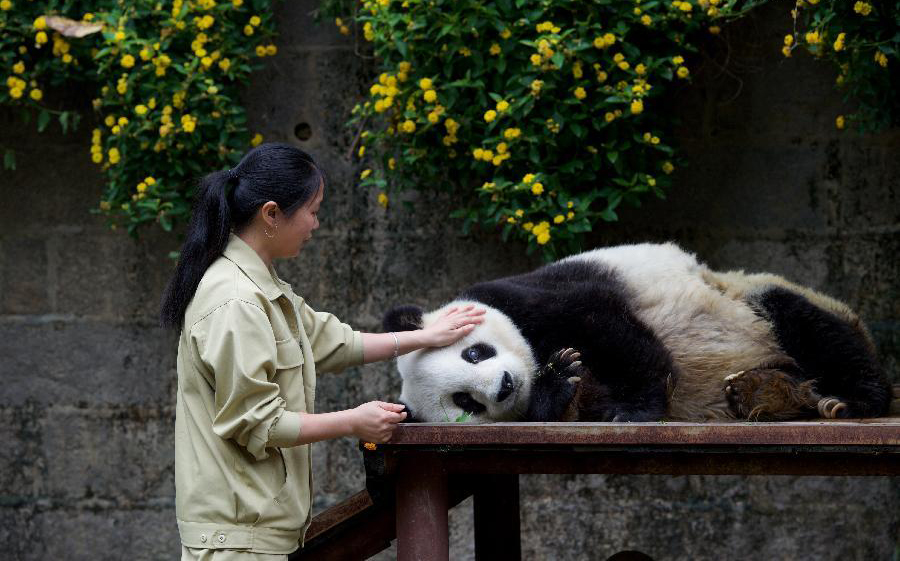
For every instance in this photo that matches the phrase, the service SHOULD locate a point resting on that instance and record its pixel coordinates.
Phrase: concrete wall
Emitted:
(86, 405)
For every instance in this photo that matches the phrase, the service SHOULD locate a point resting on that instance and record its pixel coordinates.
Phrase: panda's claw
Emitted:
(831, 408)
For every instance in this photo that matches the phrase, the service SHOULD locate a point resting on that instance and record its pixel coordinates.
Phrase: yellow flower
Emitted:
(39, 23)
(839, 42)
(528, 226)
(543, 237)
(365, 173)
(570, 204)
(502, 105)
(536, 86)
(668, 168)
(426, 83)
(140, 109)
(362, 151)
(36, 94)
(715, 29)
(559, 219)
(537, 188)
(495, 49)
(110, 120)
(839, 122)
(5, 5)
(257, 140)
(237, 3)
(640, 69)
(149, 180)
(511, 133)
(788, 40)
(408, 126)
(271, 50)
(206, 22)
(141, 187)
(580, 93)
(383, 201)
(434, 117)
(260, 50)
(255, 21)
(529, 177)
(685, 6)
(119, 35)
(646, 20)
(104, 205)
(114, 155)
(248, 30)
(502, 148)
(430, 96)
(506, 34)
(116, 129)
(536, 59)
(683, 72)
(678, 59)
(123, 121)
(40, 38)
(654, 140)
(881, 59)
(392, 164)
(19, 67)
(570, 215)
(637, 106)
(862, 8)
(127, 61)
(813, 38)
(490, 115)
(609, 117)
(189, 126)
(786, 51)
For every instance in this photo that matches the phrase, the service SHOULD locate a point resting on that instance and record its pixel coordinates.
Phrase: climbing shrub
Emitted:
(863, 40)
(165, 80)
(552, 113)
(543, 117)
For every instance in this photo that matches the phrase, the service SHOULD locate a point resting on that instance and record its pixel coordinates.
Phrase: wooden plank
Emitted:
(870, 432)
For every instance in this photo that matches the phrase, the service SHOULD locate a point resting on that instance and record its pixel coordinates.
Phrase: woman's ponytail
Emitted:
(228, 200)
(205, 240)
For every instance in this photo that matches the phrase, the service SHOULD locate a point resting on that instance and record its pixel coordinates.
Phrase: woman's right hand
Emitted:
(375, 421)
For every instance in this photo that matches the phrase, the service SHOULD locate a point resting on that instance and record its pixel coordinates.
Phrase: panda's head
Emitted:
(486, 374)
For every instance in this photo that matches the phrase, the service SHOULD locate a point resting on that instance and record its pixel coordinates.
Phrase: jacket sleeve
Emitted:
(335, 345)
(236, 343)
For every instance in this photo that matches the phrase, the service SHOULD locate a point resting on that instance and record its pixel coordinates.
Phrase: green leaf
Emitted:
(43, 120)
(612, 156)
(9, 159)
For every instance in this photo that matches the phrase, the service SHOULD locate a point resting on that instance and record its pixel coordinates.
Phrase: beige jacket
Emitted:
(247, 361)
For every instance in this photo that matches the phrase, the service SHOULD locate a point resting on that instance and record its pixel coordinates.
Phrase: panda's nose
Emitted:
(506, 387)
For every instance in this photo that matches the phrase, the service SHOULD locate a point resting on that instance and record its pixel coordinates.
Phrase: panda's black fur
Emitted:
(584, 306)
(626, 370)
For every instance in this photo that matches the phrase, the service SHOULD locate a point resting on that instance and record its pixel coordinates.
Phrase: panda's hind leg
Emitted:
(829, 352)
(770, 394)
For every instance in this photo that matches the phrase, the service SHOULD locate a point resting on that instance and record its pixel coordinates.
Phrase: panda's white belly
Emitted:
(710, 335)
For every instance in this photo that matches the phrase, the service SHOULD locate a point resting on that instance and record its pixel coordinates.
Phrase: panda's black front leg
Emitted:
(555, 386)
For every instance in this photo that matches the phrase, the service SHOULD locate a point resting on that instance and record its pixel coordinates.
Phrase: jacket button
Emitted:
(203, 538)
(221, 538)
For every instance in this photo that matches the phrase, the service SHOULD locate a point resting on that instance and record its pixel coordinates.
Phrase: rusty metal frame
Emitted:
(435, 466)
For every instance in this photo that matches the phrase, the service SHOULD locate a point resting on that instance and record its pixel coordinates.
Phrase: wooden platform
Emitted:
(429, 467)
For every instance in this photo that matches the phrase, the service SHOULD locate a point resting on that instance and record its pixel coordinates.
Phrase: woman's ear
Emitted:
(402, 318)
(269, 212)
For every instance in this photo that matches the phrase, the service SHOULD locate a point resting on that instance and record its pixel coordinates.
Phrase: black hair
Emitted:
(227, 201)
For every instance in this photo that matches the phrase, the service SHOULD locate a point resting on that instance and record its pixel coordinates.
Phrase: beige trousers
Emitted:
(194, 554)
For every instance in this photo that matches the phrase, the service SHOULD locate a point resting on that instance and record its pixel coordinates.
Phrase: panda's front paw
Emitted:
(563, 367)
(555, 387)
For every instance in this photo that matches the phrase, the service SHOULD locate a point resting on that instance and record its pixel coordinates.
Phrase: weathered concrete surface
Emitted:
(87, 392)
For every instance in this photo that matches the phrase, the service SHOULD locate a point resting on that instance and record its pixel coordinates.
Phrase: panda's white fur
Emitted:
(430, 384)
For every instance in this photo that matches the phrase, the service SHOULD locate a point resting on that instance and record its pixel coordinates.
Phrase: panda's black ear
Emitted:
(403, 318)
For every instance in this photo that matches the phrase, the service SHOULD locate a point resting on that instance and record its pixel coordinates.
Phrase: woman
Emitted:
(248, 355)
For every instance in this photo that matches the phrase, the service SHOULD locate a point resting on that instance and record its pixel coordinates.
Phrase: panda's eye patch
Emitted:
(467, 403)
(478, 352)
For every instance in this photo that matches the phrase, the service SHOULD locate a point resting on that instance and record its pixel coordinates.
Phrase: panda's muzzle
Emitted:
(506, 387)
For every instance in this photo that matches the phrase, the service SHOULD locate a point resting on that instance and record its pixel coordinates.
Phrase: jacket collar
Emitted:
(252, 265)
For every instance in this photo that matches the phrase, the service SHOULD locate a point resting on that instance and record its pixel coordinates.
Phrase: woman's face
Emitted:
(296, 230)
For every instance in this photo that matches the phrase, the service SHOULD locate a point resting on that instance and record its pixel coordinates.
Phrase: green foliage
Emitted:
(551, 113)
(863, 40)
(543, 116)
(165, 83)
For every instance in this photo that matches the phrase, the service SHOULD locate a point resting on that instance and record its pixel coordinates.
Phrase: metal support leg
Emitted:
(422, 533)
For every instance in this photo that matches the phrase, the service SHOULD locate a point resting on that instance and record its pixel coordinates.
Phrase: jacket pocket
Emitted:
(289, 355)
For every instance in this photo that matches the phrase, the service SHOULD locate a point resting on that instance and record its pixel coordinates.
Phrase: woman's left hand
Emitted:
(455, 324)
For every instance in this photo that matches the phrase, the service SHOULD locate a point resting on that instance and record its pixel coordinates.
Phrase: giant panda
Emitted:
(643, 332)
